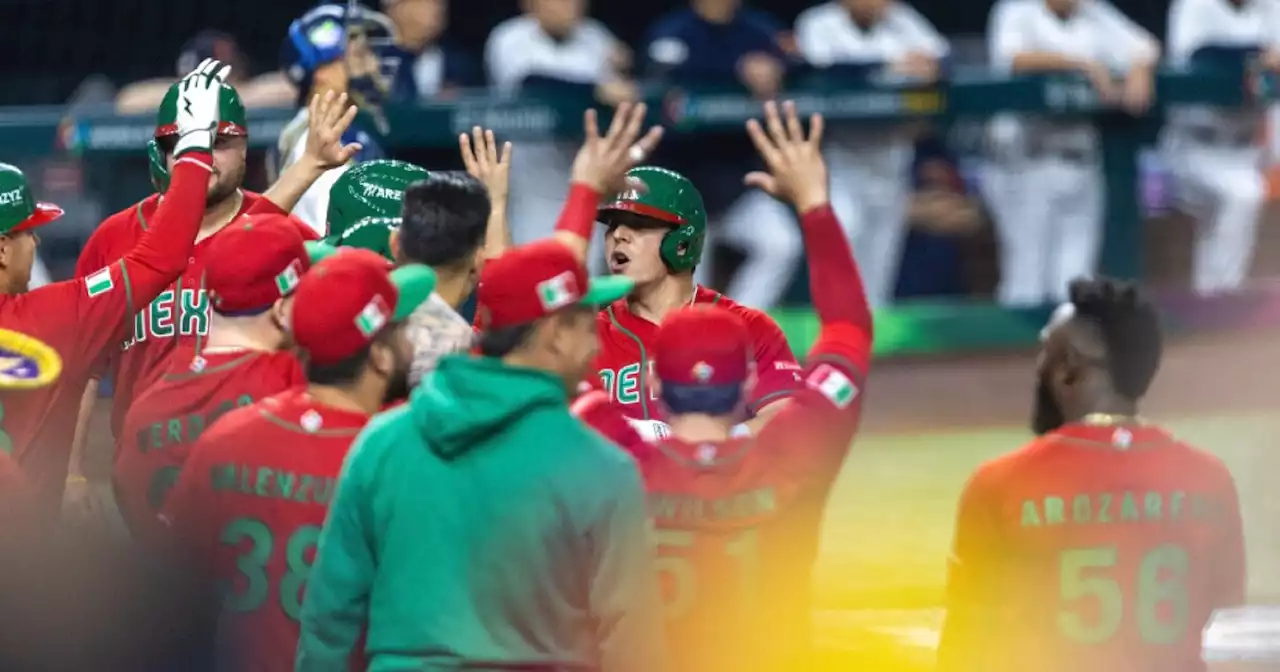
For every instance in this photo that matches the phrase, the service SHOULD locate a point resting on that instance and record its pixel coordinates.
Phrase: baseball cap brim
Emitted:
(606, 290)
(415, 282)
(318, 251)
(45, 213)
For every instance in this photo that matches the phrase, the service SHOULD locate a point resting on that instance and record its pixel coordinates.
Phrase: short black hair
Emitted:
(502, 341)
(1130, 329)
(347, 371)
(443, 218)
(704, 399)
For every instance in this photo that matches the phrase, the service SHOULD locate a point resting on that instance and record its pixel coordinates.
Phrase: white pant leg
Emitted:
(1225, 189)
(539, 182)
(1076, 218)
(39, 274)
(766, 230)
(870, 195)
(1020, 199)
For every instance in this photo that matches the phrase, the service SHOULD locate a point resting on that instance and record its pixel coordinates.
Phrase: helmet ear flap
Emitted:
(157, 166)
(681, 248)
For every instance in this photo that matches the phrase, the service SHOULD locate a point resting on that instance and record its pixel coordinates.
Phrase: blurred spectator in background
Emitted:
(1044, 183)
(941, 216)
(870, 185)
(326, 50)
(553, 49)
(718, 43)
(1213, 153)
(432, 67)
(267, 90)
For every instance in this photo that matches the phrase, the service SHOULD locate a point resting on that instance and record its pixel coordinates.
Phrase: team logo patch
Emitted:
(99, 282)
(288, 279)
(373, 317)
(311, 421)
(831, 383)
(558, 292)
(702, 372)
(198, 363)
(705, 454)
(635, 190)
(1122, 438)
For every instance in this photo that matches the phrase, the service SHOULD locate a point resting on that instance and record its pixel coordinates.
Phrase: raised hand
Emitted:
(482, 161)
(328, 118)
(198, 110)
(797, 173)
(603, 161)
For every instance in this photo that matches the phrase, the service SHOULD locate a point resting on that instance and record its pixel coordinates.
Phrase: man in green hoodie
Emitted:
(480, 526)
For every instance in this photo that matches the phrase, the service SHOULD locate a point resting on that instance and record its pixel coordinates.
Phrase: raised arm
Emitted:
(328, 118)
(482, 160)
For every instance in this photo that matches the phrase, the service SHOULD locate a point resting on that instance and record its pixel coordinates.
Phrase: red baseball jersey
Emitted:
(1096, 547)
(250, 501)
(737, 522)
(625, 365)
(83, 318)
(167, 419)
(175, 323)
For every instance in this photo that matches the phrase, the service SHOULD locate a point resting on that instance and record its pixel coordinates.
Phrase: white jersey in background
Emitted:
(1215, 154)
(1043, 180)
(870, 169)
(518, 48)
(313, 207)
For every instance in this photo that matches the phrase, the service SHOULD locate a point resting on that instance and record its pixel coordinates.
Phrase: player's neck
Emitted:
(351, 398)
(698, 428)
(453, 286)
(654, 300)
(240, 334)
(220, 215)
(1103, 404)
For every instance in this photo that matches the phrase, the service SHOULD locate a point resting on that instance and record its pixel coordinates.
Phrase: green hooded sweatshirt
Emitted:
(482, 527)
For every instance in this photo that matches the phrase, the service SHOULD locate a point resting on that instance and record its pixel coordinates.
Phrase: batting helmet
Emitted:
(667, 196)
(232, 123)
(321, 37)
(365, 202)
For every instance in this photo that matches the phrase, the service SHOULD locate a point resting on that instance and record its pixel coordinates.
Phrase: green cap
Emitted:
(369, 189)
(370, 233)
(415, 282)
(230, 113)
(18, 210)
(669, 197)
(318, 250)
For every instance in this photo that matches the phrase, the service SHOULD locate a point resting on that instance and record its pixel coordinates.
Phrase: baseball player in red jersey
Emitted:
(84, 317)
(1105, 543)
(254, 266)
(737, 518)
(179, 318)
(656, 230)
(254, 492)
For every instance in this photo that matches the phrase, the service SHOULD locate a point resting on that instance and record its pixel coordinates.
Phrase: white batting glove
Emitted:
(198, 116)
(651, 431)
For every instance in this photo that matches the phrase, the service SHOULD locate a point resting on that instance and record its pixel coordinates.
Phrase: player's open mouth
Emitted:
(618, 262)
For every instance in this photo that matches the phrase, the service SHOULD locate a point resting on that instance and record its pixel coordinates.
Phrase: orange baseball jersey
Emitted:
(625, 365)
(178, 318)
(1099, 546)
(250, 502)
(84, 318)
(167, 419)
(738, 521)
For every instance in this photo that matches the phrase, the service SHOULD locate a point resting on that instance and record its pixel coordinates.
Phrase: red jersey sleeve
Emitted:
(971, 576)
(595, 409)
(265, 206)
(777, 373)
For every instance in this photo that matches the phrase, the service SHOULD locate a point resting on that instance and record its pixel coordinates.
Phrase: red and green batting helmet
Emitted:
(667, 196)
(230, 112)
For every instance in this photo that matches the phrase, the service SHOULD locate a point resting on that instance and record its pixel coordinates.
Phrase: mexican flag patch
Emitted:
(99, 282)
(833, 384)
(558, 292)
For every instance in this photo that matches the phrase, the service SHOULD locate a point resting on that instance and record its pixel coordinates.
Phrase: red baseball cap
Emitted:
(529, 282)
(348, 297)
(254, 261)
(704, 346)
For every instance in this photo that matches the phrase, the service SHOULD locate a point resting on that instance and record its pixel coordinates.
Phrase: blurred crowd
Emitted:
(914, 211)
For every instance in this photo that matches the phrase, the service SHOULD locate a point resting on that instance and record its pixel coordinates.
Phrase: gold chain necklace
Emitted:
(1111, 420)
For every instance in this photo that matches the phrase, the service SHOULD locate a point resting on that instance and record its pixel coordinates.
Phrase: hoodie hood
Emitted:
(468, 399)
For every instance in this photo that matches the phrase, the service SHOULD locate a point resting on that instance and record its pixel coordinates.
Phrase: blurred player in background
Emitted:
(267, 90)
(84, 318)
(1045, 184)
(870, 168)
(655, 232)
(737, 518)
(1214, 153)
(341, 48)
(175, 323)
(1106, 543)
(257, 535)
(254, 267)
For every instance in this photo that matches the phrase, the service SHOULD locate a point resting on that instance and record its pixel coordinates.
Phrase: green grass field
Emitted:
(888, 528)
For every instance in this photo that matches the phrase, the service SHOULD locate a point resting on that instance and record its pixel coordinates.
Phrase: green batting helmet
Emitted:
(365, 202)
(232, 123)
(667, 196)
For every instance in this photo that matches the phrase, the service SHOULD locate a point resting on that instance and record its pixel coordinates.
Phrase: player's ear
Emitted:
(280, 311)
